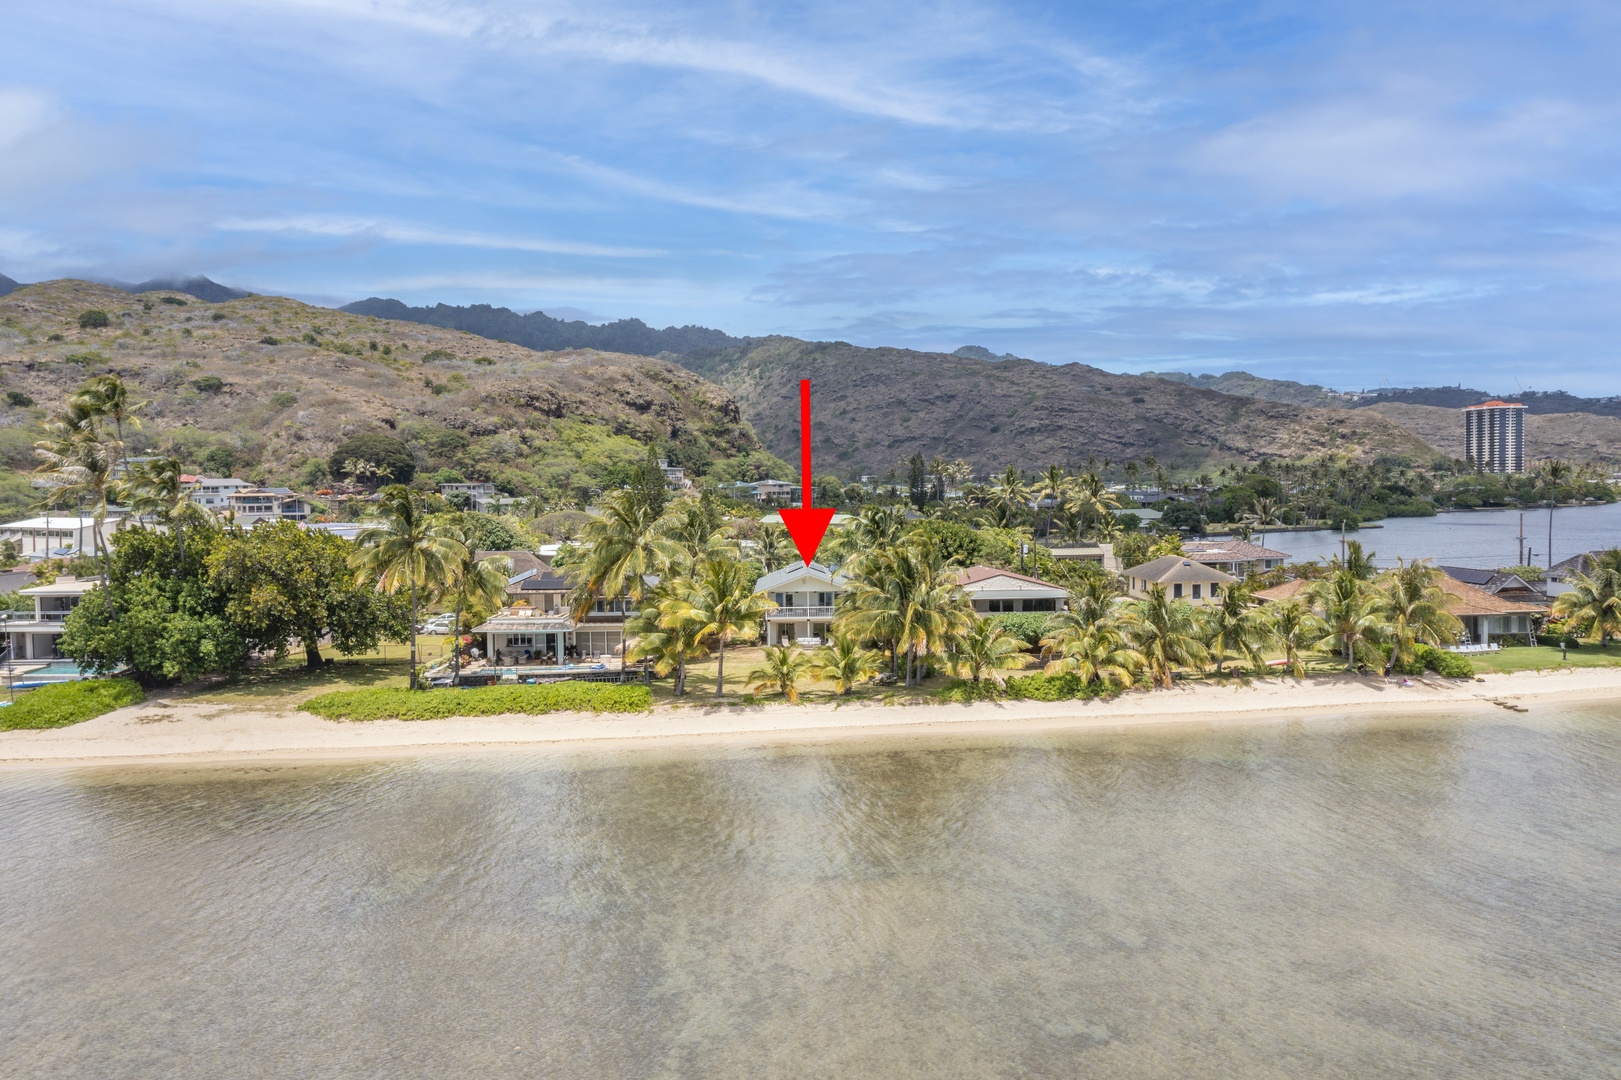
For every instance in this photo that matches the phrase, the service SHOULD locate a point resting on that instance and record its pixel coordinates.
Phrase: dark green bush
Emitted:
(209, 384)
(481, 701)
(174, 301)
(270, 339)
(1028, 626)
(18, 399)
(94, 319)
(69, 703)
(1041, 687)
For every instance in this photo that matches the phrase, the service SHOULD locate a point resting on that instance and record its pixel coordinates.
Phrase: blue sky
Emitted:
(1348, 194)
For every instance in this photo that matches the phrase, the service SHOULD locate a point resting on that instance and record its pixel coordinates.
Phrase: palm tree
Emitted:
(874, 528)
(1415, 607)
(1294, 628)
(784, 666)
(155, 488)
(985, 647)
(1359, 564)
(1593, 604)
(664, 637)
(1236, 625)
(1164, 631)
(405, 550)
(1553, 474)
(474, 584)
(1265, 512)
(719, 599)
(1091, 602)
(78, 464)
(627, 543)
(1052, 484)
(1011, 496)
(1350, 612)
(1091, 496)
(844, 663)
(906, 598)
(106, 395)
(1094, 652)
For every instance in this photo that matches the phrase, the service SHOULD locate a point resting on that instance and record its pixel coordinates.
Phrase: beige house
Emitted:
(995, 591)
(1184, 579)
(1482, 614)
(1237, 557)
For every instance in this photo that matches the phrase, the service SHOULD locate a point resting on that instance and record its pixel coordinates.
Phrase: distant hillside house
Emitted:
(55, 536)
(995, 591)
(1494, 436)
(1183, 577)
(1237, 557)
(1101, 554)
(213, 493)
(473, 491)
(805, 595)
(776, 492)
(250, 506)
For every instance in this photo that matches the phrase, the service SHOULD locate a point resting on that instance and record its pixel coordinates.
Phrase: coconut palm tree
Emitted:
(1094, 652)
(875, 528)
(627, 543)
(1091, 497)
(1552, 474)
(1593, 604)
(1236, 625)
(473, 584)
(155, 489)
(405, 550)
(1164, 631)
(1263, 513)
(1415, 607)
(79, 464)
(1090, 602)
(1010, 495)
(107, 396)
(984, 647)
(1350, 611)
(1358, 563)
(720, 600)
(665, 637)
(1052, 484)
(1295, 628)
(844, 663)
(906, 598)
(784, 666)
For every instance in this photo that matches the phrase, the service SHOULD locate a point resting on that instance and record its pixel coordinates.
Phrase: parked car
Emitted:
(439, 624)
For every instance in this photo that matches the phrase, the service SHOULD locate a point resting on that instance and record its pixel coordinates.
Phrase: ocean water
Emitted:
(1483, 539)
(1435, 897)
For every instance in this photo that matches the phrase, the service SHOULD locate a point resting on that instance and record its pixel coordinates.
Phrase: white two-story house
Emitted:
(805, 596)
(33, 636)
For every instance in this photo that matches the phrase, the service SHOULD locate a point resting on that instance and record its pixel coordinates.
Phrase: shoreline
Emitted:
(160, 732)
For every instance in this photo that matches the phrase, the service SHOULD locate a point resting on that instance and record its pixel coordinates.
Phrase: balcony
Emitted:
(801, 613)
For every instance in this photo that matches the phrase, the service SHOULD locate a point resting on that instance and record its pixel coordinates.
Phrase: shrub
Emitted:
(1041, 687)
(270, 339)
(1452, 666)
(94, 319)
(1029, 626)
(85, 359)
(436, 356)
(481, 701)
(174, 301)
(69, 703)
(18, 399)
(209, 384)
(483, 361)
(283, 399)
(377, 449)
(218, 316)
(962, 691)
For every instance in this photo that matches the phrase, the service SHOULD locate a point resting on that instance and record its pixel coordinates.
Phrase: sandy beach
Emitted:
(180, 731)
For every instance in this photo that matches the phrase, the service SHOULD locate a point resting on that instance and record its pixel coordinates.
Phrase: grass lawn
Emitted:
(1542, 658)
(287, 683)
(741, 661)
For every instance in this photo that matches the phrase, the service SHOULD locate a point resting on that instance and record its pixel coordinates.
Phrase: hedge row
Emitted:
(481, 701)
(69, 703)
(1036, 687)
(1449, 665)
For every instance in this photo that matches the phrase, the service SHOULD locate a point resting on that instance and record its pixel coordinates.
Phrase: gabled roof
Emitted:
(994, 578)
(1493, 581)
(1228, 551)
(798, 571)
(1173, 569)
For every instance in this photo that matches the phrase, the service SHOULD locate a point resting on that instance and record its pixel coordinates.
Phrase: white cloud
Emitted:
(371, 228)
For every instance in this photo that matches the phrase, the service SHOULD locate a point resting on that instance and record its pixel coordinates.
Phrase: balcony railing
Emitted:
(801, 613)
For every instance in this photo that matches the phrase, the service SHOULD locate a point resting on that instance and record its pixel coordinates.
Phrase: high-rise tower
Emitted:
(1494, 436)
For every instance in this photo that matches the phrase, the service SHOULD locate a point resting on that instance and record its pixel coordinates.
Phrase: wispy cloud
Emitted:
(400, 232)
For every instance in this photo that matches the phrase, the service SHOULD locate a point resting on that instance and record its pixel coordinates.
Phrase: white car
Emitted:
(439, 624)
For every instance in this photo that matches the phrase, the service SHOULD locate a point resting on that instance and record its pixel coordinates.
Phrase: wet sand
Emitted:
(188, 731)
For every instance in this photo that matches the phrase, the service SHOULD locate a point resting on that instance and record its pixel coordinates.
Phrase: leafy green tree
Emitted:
(94, 319)
(476, 585)
(405, 550)
(378, 451)
(784, 666)
(171, 625)
(648, 486)
(283, 585)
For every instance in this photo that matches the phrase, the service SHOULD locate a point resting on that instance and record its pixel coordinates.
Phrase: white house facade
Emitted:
(33, 637)
(54, 536)
(995, 591)
(805, 595)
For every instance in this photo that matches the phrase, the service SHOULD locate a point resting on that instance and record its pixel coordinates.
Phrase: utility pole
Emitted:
(1522, 539)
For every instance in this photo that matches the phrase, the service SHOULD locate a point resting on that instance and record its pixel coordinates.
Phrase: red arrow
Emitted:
(807, 524)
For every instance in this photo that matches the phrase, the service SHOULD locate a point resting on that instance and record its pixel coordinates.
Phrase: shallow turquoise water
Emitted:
(1437, 898)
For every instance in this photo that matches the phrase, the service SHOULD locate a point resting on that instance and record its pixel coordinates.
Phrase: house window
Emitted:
(1176, 591)
(520, 641)
(1196, 592)
(1215, 590)
(1048, 604)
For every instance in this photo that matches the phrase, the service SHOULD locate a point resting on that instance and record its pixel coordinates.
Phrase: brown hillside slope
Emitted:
(875, 407)
(1570, 436)
(488, 408)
